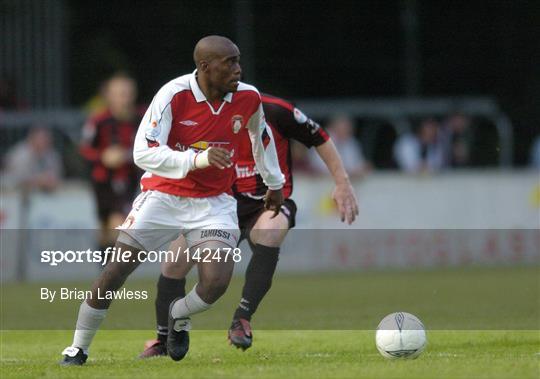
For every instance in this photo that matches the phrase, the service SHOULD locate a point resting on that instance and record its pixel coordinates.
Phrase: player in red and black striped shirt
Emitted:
(287, 122)
(107, 144)
(264, 232)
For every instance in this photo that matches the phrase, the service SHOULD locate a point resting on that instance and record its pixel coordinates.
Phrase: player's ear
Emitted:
(203, 66)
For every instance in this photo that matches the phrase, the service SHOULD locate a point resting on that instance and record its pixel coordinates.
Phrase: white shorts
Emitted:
(157, 219)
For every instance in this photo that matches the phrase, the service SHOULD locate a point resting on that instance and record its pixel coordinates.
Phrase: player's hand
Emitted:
(114, 156)
(346, 201)
(273, 201)
(219, 157)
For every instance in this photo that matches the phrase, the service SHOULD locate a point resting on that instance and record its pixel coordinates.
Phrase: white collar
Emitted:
(199, 95)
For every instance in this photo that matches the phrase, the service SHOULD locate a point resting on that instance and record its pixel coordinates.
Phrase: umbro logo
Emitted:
(189, 123)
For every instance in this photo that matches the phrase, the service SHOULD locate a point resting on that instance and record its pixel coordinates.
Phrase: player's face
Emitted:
(121, 93)
(225, 71)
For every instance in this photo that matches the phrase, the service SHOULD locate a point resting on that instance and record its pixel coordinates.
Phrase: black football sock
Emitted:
(259, 275)
(168, 289)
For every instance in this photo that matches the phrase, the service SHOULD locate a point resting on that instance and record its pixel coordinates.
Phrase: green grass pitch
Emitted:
(278, 354)
(482, 323)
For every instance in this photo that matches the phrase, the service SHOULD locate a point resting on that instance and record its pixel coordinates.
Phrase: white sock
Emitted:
(187, 306)
(88, 323)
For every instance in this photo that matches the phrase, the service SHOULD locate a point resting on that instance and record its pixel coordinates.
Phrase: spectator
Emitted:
(107, 144)
(456, 138)
(535, 153)
(341, 130)
(422, 152)
(33, 164)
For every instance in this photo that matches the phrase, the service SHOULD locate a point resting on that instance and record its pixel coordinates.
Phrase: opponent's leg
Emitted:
(264, 239)
(171, 285)
(168, 289)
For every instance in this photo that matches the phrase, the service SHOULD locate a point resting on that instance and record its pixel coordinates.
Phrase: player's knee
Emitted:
(270, 231)
(173, 270)
(116, 270)
(268, 237)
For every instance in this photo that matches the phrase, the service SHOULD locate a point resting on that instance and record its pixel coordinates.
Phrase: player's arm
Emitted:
(266, 159)
(296, 125)
(88, 143)
(151, 152)
(343, 193)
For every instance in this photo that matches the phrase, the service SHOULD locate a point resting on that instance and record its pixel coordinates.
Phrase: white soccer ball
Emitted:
(400, 335)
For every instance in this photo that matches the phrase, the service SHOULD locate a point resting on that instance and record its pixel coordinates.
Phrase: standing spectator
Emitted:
(341, 130)
(456, 137)
(422, 152)
(107, 145)
(33, 164)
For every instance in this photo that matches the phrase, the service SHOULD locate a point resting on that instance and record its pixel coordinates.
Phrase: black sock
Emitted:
(259, 275)
(168, 289)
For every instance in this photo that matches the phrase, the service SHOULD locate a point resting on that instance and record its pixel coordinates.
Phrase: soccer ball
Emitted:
(400, 335)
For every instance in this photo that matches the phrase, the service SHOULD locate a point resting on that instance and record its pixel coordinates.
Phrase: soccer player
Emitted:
(107, 142)
(188, 144)
(264, 233)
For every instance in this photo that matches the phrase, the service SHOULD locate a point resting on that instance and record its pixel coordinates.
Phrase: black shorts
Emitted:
(110, 201)
(249, 210)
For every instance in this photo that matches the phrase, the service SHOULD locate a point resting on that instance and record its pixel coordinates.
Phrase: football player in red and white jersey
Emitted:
(188, 143)
(264, 233)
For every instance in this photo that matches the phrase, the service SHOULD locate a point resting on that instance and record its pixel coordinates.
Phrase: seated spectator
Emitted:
(420, 152)
(33, 164)
(456, 137)
(341, 130)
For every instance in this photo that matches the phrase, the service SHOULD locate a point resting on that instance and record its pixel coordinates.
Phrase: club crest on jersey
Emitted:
(236, 123)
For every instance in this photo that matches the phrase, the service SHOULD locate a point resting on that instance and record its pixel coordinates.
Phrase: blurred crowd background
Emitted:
(410, 85)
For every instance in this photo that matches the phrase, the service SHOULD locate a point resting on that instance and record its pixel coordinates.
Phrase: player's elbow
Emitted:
(154, 160)
(142, 158)
(138, 157)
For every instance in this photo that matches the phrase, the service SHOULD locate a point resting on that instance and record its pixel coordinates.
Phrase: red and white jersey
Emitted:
(181, 122)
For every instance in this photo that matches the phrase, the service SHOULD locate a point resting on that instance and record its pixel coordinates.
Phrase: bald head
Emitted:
(212, 47)
(218, 66)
